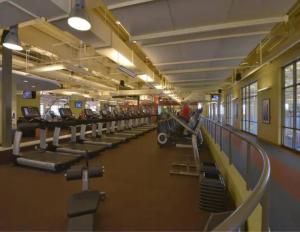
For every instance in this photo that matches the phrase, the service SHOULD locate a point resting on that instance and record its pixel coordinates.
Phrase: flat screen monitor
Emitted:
(214, 97)
(78, 104)
(29, 94)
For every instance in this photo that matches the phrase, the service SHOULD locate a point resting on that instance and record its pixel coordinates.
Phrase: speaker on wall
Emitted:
(238, 77)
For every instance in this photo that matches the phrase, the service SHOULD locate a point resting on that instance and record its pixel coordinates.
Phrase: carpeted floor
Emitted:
(141, 195)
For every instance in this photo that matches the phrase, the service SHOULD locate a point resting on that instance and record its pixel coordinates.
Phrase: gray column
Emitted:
(6, 97)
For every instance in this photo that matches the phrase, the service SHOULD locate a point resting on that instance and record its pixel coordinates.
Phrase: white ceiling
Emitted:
(154, 22)
(24, 10)
(25, 81)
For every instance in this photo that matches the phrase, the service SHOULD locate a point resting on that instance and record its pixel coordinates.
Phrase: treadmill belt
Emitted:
(49, 156)
(89, 148)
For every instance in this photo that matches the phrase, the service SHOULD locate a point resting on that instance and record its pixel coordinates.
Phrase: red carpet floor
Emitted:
(141, 195)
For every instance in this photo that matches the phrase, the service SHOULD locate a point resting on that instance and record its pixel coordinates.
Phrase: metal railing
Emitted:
(246, 162)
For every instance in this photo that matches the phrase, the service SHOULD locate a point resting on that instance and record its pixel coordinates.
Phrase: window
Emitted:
(93, 105)
(291, 106)
(229, 109)
(52, 103)
(213, 111)
(249, 108)
(222, 113)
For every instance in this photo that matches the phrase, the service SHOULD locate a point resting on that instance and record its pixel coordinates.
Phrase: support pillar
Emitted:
(6, 97)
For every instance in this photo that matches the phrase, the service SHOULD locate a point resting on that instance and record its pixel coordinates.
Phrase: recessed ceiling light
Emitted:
(25, 81)
(33, 86)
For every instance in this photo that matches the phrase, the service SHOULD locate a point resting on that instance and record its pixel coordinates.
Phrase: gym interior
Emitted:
(150, 115)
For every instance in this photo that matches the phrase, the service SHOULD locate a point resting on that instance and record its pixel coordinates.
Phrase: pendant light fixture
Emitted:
(78, 18)
(11, 39)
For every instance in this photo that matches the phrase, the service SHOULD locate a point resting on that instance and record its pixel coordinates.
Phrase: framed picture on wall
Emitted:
(266, 111)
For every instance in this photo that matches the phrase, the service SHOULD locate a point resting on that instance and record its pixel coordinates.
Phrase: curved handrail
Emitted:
(241, 214)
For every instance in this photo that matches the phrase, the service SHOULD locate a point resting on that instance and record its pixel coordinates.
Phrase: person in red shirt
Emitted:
(185, 113)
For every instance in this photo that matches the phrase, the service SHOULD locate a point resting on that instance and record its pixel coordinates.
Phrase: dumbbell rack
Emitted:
(212, 189)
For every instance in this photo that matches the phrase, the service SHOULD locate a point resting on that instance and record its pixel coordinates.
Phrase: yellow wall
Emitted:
(268, 76)
(76, 111)
(26, 102)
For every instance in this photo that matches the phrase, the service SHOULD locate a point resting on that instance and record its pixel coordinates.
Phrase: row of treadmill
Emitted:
(107, 130)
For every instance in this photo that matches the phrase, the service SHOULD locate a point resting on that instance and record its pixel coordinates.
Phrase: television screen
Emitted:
(214, 97)
(78, 104)
(29, 94)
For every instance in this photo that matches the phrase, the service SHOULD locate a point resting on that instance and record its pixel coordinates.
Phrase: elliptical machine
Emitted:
(171, 131)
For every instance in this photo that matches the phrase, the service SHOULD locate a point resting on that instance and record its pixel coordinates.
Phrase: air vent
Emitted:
(127, 71)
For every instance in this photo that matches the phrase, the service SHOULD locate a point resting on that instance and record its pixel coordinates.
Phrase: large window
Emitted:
(249, 108)
(291, 106)
(229, 109)
(213, 111)
(52, 103)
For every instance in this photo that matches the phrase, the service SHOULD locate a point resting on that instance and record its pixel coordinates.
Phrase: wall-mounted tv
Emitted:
(29, 94)
(78, 104)
(215, 97)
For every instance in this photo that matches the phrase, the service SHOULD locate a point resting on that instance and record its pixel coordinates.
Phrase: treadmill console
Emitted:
(66, 113)
(89, 113)
(30, 112)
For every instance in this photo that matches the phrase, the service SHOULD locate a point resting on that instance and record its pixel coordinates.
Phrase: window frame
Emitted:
(246, 97)
(294, 86)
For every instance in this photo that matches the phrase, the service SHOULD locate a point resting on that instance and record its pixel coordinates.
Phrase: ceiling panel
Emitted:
(145, 18)
(226, 32)
(190, 13)
(203, 50)
(7, 11)
(229, 63)
(165, 15)
(169, 15)
(47, 9)
(32, 82)
(200, 75)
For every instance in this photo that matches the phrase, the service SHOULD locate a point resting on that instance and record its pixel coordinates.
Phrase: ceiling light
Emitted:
(146, 78)
(157, 86)
(25, 81)
(78, 19)
(11, 39)
(33, 86)
(48, 68)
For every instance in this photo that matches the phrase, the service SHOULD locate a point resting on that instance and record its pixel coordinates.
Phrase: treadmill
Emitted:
(74, 146)
(40, 158)
(129, 128)
(110, 127)
(97, 130)
(146, 115)
(134, 125)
